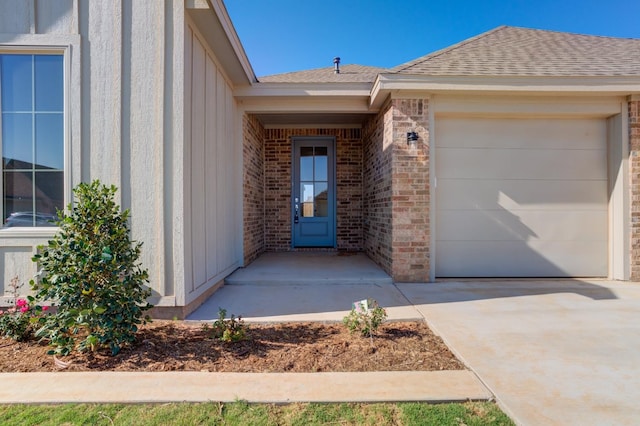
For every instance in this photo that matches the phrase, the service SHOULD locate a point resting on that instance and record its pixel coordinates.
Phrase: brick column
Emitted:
(410, 194)
(634, 183)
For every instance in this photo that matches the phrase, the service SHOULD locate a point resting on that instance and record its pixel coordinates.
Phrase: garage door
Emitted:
(521, 197)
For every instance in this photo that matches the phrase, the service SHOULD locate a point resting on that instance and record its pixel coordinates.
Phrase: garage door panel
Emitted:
(516, 259)
(521, 194)
(521, 133)
(523, 225)
(521, 164)
(521, 198)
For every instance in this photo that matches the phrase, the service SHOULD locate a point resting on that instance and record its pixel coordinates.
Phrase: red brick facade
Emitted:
(253, 186)
(634, 183)
(377, 160)
(396, 190)
(410, 191)
(267, 187)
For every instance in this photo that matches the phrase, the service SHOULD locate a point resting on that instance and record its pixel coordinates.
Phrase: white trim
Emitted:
(297, 105)
(314, 126)
(433, 182)
(68, 47)
(538, 106)
(223, 16)
(303, 90)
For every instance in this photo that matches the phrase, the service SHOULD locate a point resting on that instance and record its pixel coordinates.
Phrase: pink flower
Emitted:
(21, 302)
(45, 308)
(24, 309)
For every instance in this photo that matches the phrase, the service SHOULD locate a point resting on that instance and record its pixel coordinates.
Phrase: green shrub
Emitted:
(91, 272)
(365, 317)
(228, 330)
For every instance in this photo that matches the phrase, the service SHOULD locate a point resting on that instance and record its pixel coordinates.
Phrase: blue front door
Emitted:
(313, 204)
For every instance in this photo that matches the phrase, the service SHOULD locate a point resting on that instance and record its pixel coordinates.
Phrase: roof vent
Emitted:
(336, 62)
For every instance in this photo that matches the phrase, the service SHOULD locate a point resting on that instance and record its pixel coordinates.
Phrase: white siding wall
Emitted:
(211, 187)
(125, 120)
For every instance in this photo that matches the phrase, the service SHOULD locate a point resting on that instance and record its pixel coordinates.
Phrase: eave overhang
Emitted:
(399, 85)
(214, 23)
(313, 103)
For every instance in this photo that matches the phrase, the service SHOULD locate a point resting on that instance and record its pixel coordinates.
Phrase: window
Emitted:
(32, 136)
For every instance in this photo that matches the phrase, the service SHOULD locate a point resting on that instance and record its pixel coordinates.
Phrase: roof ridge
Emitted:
(447, 49)
(309, 70)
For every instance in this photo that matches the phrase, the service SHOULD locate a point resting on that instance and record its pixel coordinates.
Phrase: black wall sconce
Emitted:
(412, 138)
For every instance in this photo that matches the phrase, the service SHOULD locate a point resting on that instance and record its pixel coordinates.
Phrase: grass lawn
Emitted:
(241, 413)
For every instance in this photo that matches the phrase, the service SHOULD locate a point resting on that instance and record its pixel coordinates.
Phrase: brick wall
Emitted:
(377, 174)
(277, 173)
(396, 190)
(634, 183)
(410, 191)
(253, 185)
(277, 186)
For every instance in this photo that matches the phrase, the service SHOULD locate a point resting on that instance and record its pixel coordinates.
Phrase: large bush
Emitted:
(90, 271)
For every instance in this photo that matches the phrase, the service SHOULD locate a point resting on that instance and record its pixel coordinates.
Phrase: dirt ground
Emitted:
(287, 347)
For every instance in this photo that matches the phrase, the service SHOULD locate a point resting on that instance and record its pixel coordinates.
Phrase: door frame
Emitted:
(332, 186)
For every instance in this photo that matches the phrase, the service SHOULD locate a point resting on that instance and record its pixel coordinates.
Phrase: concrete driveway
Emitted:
(553, 352)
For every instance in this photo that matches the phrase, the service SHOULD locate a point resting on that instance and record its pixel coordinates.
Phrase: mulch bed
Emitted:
(286, 347)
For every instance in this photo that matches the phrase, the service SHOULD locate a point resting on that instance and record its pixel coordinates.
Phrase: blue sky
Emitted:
(292, 35)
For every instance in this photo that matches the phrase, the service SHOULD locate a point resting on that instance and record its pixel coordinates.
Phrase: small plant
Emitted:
(228, 330)
(18, 322)
(91, 272)
(365, 317)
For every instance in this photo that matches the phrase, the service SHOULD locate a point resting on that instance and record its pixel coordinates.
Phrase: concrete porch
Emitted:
(312, 268)
(305, 286)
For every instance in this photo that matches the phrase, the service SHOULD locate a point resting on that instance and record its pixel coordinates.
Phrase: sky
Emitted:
(292, 35)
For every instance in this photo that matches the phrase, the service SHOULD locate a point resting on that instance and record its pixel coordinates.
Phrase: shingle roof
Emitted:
(348, 74)
(514, 51)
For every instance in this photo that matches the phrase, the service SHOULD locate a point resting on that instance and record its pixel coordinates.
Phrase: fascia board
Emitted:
(303, 90)
(309, 104)
(388, 84)
(210, 16)
(220, 10)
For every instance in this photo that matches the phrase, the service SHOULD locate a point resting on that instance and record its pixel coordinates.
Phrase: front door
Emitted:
(313, 202)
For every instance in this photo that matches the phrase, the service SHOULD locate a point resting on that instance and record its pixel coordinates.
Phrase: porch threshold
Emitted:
(310, 268)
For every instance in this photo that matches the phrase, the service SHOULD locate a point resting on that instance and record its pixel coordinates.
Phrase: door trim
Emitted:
(332, 185)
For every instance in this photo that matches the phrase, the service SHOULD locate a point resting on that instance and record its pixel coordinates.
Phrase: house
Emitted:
(512, 154)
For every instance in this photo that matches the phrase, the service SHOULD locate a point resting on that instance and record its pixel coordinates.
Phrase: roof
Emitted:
(348, 74)
(514, 51)
(503, 52)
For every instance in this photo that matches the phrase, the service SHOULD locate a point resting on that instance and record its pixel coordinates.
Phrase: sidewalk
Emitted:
(260, 303)
(125, 387)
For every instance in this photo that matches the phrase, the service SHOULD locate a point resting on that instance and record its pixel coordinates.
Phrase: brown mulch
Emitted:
(287, 347)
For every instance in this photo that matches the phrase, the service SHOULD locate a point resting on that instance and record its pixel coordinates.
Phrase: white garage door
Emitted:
(521, 197)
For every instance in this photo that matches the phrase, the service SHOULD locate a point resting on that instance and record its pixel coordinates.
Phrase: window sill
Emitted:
(35, 232)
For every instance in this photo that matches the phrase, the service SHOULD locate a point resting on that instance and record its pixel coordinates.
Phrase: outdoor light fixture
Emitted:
(412, 138)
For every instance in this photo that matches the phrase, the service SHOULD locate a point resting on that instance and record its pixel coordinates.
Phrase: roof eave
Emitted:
(387, 84)
(213, 22)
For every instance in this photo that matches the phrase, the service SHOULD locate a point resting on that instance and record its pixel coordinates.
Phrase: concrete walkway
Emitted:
(124, 387)
(553, 352)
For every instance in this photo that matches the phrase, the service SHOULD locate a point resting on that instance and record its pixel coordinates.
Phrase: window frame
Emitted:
(64, 46)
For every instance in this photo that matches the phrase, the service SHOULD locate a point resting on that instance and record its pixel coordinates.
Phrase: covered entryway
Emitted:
(313, 192)
(521, 197)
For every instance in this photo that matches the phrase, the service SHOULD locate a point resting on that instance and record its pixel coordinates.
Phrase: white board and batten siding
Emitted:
(213, 217)
(521, 197)
(36, 24)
